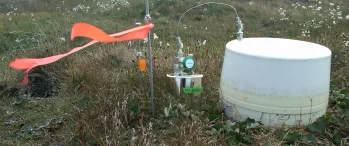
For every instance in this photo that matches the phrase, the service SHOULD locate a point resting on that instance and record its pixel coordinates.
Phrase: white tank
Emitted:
(275, 81)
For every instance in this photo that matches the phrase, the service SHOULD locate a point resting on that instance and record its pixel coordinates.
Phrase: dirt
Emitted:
(42, 84)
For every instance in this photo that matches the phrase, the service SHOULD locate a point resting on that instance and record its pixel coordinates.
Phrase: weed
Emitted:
(102, 101)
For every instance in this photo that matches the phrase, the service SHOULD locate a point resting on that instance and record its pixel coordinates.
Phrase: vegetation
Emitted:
(93, 97)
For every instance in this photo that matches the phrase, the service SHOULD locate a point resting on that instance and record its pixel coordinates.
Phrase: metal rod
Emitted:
(147, 19)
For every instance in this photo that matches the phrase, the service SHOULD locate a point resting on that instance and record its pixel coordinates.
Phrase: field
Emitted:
(94, 97)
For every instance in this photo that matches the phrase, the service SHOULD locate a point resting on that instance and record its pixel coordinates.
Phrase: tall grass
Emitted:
(99, 95)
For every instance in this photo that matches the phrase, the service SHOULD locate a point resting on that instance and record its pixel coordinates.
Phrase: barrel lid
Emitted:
(279, 48)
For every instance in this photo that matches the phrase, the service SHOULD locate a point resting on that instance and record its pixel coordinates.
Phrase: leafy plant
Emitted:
(318, 126)
(133, 109)
(236, 132)
(291, 136)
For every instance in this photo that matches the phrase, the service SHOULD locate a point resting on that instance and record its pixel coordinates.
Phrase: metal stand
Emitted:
(147, 19)
(185, 83)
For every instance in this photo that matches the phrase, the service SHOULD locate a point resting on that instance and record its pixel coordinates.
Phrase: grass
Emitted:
(98, 100)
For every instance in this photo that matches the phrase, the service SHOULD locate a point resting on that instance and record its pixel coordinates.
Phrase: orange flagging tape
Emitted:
(82, 30)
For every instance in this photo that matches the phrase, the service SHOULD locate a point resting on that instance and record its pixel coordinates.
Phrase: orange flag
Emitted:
(82, 30)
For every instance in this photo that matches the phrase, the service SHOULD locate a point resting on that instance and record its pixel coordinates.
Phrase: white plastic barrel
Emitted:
(275, 81)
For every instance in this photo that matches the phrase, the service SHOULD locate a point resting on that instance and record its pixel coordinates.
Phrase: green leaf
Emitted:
(132, 106)
(336, 118)
(346, 113)
(28, 136)
(230, 141)
(250, 121)
(218, 126)
(342, 105)
(308, 137)
(332, 86)
(327, 117)
(291, 136)
(260, 123)
(318, 127)
(237, 138)
(215, 115)
(345, 91)
(114, 60)
(37, 132)
(337, 138)
(266, 144)
(248, 140)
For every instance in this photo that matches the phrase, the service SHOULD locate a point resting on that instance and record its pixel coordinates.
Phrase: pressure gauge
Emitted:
(188, 63)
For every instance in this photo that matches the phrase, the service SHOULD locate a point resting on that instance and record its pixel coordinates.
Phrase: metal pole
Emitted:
(147, 19)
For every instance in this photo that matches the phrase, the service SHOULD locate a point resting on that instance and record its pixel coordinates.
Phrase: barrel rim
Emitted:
(229, 44)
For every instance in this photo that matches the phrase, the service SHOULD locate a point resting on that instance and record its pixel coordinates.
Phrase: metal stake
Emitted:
(147, 19)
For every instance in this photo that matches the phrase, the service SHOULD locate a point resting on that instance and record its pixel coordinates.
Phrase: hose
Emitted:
(238, 21)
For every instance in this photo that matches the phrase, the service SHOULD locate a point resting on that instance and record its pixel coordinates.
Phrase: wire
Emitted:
(179, 21)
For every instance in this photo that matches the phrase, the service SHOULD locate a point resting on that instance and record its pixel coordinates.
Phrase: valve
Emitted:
(188, 63)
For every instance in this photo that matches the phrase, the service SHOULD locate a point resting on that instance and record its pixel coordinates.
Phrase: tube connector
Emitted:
(240, 28)
(147, 17)
(179, 44)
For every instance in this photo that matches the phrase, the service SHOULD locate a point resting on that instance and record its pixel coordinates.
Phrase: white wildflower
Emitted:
(10, 19)
(204, 43)
(160, 43)
(318, 8)
(17, 40)
(339, 13)
(167, 44)
(62, 39)
(331, 4)
(129, 43)
(320, 2)
(347, 17)
(166, 112)
(155, 36)
(346, 43)
(304, 7)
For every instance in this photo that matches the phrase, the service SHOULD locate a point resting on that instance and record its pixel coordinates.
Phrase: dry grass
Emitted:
(104, 103)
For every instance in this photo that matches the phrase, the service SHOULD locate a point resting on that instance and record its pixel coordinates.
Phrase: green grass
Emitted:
(102, 102)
